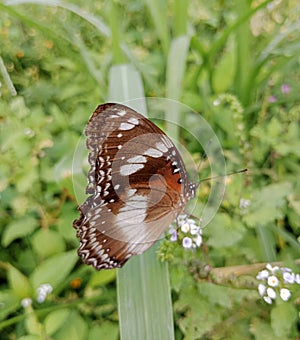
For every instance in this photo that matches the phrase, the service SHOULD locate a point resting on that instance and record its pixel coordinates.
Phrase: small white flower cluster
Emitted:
(189, 234)
(276, 281)
(42, 292)
(26, 302)
(244, 203)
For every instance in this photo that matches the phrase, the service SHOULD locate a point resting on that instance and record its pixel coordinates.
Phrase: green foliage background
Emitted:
(57, 55)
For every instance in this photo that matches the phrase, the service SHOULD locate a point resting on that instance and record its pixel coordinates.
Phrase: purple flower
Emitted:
(187, 242)
(285, 89)
(173, 233)
(286, 270)
(289, 278)
(272, 99)
(270, 6)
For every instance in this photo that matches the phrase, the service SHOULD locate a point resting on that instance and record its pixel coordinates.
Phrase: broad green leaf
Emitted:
(224, 232)
(64, 222)
(54, 270)
(9, 303)
(27, 180)
(288, 148)
(19, 228)
(266, 204)
(283, 318)
(198, 315)
(56, 320)
(47, 243)
(105, 331)
(222, 296)
(262, 330)
(102, 277)
(18, 282)
(74, 328)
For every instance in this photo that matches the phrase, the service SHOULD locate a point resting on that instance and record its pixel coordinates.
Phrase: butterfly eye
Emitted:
(133, 182)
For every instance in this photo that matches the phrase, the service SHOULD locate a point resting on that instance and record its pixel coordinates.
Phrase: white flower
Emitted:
(181, 218)
(195, 229)
(268, 300)
(41, 297)
(47, 288)
(262, 289)
(285, 294)
(273, 270)
(297, 278)
(273, 281)
(185, 227)
(26, 302)
(217, 102)
(190, 221)
(198, 240)
(262, 275)
(288, 277)
(187, 242)
(271, 293)
(43, 290)
(244, 203)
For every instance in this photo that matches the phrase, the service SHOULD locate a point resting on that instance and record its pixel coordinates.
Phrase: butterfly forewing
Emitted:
(138, 185)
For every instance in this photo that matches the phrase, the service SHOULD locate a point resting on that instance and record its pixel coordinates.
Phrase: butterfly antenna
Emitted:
(204, 155)
(222, 176)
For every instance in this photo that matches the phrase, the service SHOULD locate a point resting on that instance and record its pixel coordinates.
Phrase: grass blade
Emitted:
(180, 17)
(144, 300)
(175, 72)
(158, 11)
(99, 24)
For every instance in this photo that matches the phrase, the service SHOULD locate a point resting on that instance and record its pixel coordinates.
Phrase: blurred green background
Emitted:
(239, 62)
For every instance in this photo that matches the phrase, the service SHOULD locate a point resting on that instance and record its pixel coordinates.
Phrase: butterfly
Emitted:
(137, 185)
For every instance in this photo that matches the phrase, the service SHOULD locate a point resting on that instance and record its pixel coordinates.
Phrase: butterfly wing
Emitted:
(138, 186)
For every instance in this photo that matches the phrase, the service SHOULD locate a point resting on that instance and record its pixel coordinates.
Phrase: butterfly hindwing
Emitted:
(137, 182)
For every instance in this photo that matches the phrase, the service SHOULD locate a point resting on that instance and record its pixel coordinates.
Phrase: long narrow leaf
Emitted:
(158, 10)
(145, 309)
(100, 25)
(175, 71)
(180, 17)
